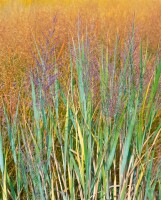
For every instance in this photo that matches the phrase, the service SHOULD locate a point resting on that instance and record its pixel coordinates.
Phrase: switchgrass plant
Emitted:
(95, 139)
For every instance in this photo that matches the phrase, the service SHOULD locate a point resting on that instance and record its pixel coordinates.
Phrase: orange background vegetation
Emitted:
(23, 21)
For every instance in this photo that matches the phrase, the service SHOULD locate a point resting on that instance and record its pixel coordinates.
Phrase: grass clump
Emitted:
(93, 138)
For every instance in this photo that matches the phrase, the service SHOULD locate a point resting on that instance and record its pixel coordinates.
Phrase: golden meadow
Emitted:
(80, 99)
(20, 21)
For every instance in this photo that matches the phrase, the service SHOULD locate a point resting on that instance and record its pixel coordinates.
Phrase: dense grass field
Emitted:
(80, 100)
